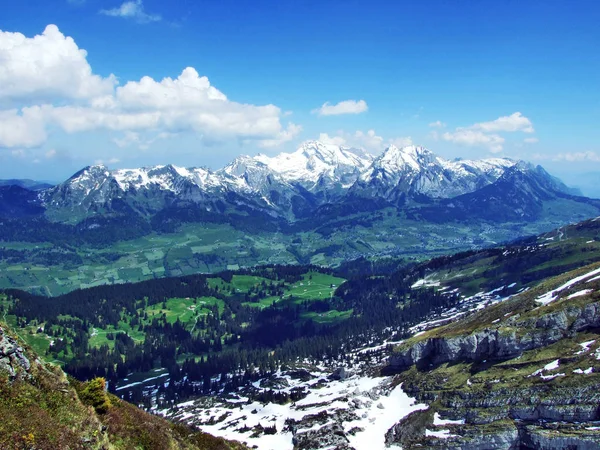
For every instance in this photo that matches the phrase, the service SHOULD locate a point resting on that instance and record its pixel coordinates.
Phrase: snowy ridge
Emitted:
(417, 170)
(315, 160)
(326, 172)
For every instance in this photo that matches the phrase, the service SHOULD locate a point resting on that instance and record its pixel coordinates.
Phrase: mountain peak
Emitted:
(315, 160)
(91, 171)
(397, 159)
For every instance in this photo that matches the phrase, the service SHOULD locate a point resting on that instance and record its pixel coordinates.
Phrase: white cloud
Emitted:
(577, 157)
(463, 136)
(47, 66)
(401, 141)
(132, 10)
(283, 135)
(485, 134)
(531, 140)
(514, 122)
(132, 138)
(129, 138)
(51, 154)
(344, 107)
(21, 129)
(335, 140)
(368, 140)
(87, 102)
(437, 124)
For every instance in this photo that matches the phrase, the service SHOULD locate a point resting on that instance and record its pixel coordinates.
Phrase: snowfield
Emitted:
(374, 404)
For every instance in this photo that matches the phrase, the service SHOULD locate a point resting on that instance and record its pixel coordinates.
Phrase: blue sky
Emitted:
(466, 79)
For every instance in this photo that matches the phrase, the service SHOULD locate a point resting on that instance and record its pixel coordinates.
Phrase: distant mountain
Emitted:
(293, 186)
(18, 202)
(322, 204)
(417, 172)
(32, 185)
(520, 193)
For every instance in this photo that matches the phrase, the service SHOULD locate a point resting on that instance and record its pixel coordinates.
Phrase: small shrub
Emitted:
(94, 394)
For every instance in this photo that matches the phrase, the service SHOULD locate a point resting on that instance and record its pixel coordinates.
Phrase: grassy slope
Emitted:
(526, 265)
(43, 410)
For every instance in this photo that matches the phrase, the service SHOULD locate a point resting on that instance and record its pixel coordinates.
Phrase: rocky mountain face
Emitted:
(19, 202)
(520, 374)
(295, 185)
(415, 171)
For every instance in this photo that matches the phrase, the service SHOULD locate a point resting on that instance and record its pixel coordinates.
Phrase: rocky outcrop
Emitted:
(414, 431)
(547, 438)
(329, 436)
(512, 375)
(12, 356)
(498, 343)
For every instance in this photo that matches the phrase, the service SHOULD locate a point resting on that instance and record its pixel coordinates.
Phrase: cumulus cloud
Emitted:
(47, 66)
(368, 140)
(334, 140)
(132, 10)
(437, 124)
(401, 141)
(463, 136)
(344, 107)
(486, 134)
(21, 129)
(86, 102)
(514, 122)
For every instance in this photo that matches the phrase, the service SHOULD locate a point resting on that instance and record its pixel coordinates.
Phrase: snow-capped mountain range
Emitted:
(289, 185)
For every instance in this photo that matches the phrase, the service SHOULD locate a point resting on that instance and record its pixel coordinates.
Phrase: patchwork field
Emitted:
(210, 248)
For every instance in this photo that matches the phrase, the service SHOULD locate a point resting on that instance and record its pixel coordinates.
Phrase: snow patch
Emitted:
(549, 297)
(437, 421)
(586, 371)
(440, 434)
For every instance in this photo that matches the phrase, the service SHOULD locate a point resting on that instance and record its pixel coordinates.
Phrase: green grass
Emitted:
(184, 309)
(215, 247)
(330, 317)
(312, 286)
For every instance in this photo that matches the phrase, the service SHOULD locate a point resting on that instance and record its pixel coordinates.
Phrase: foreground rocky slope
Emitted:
(523, 373)
(40, 408)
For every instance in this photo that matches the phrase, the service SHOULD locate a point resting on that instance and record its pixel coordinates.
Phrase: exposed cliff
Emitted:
(520, 374)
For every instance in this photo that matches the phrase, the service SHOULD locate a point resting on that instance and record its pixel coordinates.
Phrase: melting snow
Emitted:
(579, 293)
(586, 371)
(552, 366)
(549, 297)
(376, 407)
(437, 421)
(585, 347)
(440, 434)
(551, 377)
